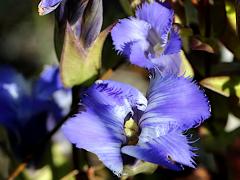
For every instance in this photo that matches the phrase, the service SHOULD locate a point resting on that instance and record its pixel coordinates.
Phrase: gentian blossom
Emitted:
(149, 39)
(115, 119)
(26, 106)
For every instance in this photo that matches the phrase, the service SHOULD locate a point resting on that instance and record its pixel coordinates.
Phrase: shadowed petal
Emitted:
(13, 87)
(92, 21)
(168, 64)
(14, 92)
(9, 75)
(48, 83)
(171, 151)
(138, 57)
(173, 100)
(129, 31)
(165, 63)
(159, 16)
(174, 44)
(7, 104)
(47, 6)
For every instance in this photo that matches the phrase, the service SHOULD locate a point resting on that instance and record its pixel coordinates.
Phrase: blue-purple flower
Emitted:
(47, 6)
(115, 119)
(26, 106)
(149, 39)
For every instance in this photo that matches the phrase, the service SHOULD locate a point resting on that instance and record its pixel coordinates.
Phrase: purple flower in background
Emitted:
(26, 106)
(115, 119)
(149, 40)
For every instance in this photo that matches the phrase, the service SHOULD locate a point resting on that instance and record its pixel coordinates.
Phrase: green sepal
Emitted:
(79, 65)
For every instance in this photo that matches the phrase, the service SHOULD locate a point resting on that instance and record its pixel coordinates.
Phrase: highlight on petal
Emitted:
(47, 6)
(176, 101)
(13, 89)
(129, 31)
(99, 133)
(13, 81)
(159, 16)
(171, 150)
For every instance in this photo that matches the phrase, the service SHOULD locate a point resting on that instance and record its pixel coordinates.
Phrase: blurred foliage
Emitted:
(211, 55)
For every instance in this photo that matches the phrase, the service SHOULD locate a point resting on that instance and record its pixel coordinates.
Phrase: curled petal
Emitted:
(110, 92)
(47, 6)
(159, 16)
(91, 129)
(129, 31)
(138, 57)
(175, 101)
(171, 150)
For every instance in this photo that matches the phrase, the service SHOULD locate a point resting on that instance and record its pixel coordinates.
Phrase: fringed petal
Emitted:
(174, 101)
(128, 31)
(171, 151)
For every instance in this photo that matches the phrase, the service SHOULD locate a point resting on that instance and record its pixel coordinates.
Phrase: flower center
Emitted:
(131, 131)
(156, 44)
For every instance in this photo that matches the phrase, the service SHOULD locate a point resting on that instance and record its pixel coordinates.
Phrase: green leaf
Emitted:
(186, 67)
(237, 14)
(185, 34)
(224, 85)
(79, 65)
(231, 13)
(126, 7)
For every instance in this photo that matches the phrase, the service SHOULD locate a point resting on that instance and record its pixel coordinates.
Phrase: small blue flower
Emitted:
(115, 118)
(26, 106)
(149, 39)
